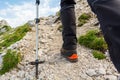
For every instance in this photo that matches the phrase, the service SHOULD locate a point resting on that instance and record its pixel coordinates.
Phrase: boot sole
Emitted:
(70, 60)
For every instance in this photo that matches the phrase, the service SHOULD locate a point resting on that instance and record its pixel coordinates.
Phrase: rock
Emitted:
(50, 20)
(21, 74)
(3, 54)
(4, 26)
(107, 53)
(13, 72)
(109, 72)
(13, 46)
(53, 25)
(101, 71)
(3, 22)
(3, 30)
(110, 77)
(1, 60)
(43, 41)
(91, 72)
(118, 78)
(52, 62)
(40, 52)
(18, 79)
(96, 23)
(28, 36)
(99, 78)
(31, 23)
(13, 77)
(32, 73)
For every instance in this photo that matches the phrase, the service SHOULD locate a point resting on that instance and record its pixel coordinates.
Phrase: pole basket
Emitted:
(36, 63)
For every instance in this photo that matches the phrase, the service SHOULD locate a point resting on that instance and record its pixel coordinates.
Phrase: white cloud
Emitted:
(19, 14)
(1, 18)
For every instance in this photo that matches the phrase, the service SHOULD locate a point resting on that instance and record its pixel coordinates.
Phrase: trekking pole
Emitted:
(37, 62)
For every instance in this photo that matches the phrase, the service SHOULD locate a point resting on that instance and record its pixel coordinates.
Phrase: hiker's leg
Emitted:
(69, 25)
(108, 13)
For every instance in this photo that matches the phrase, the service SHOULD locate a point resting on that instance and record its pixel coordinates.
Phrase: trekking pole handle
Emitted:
(37, 2)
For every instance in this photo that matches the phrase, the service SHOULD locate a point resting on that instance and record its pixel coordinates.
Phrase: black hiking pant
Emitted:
(108, 14)
(69, 25)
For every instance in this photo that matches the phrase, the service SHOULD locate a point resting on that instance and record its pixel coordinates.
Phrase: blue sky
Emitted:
(18, 12)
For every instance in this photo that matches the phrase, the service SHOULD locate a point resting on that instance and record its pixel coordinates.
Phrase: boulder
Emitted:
(4, 26)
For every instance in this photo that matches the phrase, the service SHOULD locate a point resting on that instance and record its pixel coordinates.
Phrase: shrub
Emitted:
(10, 61)
(99, 44)
(87, 39)
(93, 41)
(15, 36)
(1, 33)
(83, 19)
(0, 48)
(99, 55)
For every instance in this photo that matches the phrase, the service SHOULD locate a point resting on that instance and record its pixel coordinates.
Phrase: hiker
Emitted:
(69, 30)
(108, 14)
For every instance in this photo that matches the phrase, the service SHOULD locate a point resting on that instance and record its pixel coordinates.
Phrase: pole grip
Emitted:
(37, 2)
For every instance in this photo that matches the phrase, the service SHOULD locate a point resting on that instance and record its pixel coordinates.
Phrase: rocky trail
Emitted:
(56, 67)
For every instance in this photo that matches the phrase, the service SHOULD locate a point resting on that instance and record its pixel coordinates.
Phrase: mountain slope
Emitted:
(56, 67)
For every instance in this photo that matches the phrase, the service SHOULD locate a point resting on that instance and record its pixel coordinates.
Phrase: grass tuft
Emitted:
(83, 19)
(10, 61)
(94, 40)
(99, 55)
(18, 34)
(91, 40)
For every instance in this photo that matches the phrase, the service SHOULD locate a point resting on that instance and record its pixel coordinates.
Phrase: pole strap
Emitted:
(37, 2)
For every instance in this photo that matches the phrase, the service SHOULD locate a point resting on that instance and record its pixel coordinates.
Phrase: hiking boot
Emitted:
(70, 55)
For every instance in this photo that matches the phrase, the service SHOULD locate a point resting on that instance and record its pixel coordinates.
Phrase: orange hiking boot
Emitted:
(70, 55)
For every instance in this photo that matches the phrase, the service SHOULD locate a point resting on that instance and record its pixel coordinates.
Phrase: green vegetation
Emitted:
(12, 58)
(83, 19)
(58, 13)
(15, 36)
(0, 49)
(99, 55)
(94, 40)
(60, 28)
(10, 61)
